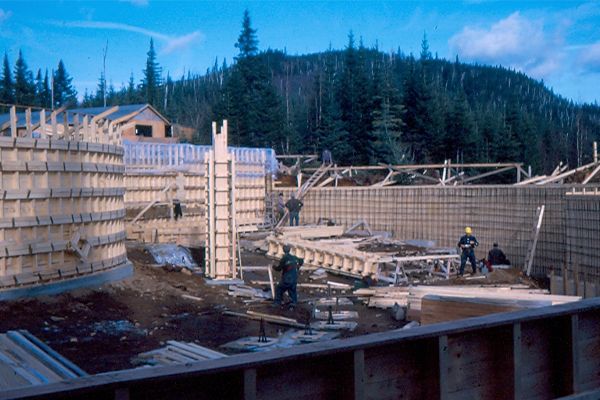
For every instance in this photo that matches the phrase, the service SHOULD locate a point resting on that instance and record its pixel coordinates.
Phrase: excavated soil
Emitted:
(102, 329)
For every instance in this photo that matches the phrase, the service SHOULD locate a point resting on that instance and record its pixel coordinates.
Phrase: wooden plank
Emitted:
(250, 384)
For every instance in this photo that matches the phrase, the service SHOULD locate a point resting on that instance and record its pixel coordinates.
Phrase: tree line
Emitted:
(18, 85)
(365, 105)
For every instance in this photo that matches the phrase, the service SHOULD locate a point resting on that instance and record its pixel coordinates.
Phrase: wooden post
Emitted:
(28, 122)
(220, 209)
(359, 374)
(13, 121)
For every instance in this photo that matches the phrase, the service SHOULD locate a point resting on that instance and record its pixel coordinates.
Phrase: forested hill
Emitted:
(365, 105)
(368, 106)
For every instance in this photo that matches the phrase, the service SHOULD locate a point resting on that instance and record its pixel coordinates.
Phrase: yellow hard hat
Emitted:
(468, 230)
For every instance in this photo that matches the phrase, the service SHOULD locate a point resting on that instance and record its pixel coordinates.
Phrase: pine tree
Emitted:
(355, 103)
(250, 101)
(6, 84)
(46, 94)
(101, 91)
(131, 95)
(152, 78)
(24, 85)
(387, 122)
(39, 89)
(64, 93)
(247, 42)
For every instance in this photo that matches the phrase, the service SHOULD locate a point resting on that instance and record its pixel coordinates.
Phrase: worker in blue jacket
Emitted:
(467, 244)
(289, 266)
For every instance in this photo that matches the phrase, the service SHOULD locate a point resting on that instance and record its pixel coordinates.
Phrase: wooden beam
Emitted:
(566, 174)
(153, 202)
(591, 175)
(490, 173)
(105, 114)
(417, 166)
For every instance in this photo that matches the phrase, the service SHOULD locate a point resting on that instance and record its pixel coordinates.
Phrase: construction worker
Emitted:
(467, 244)
(280, 206)
(497, 257)
(289, 266)
(326, 157)
(294, 205)
(177, 212)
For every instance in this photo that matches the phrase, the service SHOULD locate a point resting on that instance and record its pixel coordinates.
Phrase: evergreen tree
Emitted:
(247, 42)
(6, 84)
(131, 96)
(355, 104)
(46, 93)
(64, 93)
(101, 91)
(24, 85)
(152, 78)
(387, 123)
(250, 101)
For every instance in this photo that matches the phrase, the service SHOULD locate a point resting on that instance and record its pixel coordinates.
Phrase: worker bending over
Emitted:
(497, 257)
(289, 266)
(467, 244)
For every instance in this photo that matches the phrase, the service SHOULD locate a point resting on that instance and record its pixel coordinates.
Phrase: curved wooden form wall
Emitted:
(62, 208)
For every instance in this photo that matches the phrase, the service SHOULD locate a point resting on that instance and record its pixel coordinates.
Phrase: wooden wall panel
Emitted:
(61, 202)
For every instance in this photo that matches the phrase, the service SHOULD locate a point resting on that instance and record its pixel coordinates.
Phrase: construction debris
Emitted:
(177, 353)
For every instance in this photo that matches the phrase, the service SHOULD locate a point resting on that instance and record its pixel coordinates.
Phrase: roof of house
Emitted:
(123, 113)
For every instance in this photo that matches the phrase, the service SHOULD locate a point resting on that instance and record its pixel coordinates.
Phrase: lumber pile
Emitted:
(311, 231)
(435, 308)
(383, 296)
(514, 293)
(177, 353)
(27, 361)
(247, 291)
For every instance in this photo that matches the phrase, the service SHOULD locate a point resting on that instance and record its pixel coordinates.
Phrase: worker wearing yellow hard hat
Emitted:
(467, 244)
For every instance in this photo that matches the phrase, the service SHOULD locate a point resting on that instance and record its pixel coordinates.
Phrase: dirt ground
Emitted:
(102, 329)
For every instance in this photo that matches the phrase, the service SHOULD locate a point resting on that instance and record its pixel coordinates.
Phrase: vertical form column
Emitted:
(220, 208)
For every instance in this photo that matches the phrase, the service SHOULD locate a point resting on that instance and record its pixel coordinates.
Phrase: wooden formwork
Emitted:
(503, 214)
(344, 260)
(221, 247)
(61, 200)
(179, 172)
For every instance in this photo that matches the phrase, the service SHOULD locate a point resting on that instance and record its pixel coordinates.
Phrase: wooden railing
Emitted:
(539, 353)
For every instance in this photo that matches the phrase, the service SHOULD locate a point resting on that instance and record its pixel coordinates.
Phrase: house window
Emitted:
(168, 131)
(143, 130)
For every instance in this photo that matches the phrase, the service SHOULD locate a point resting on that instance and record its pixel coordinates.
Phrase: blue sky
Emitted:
(557, 41)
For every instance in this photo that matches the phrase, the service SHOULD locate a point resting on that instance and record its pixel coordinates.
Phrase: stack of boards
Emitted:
(177, 353)
(27, 361)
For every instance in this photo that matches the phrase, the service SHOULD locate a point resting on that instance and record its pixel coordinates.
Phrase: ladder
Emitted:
(309, 184)
(539, 214)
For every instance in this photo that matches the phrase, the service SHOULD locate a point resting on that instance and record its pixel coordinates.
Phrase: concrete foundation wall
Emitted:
(503, 214)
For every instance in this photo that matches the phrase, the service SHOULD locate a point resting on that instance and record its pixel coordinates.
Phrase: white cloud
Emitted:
(170, 43)
(515, 42)
(181, 42)
(589, 57)
(4, 15)
(139, 3)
